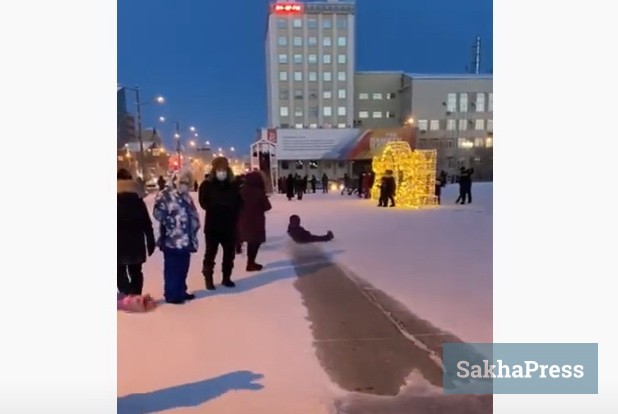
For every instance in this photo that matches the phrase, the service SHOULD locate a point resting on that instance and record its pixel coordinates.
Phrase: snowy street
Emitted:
(350, 326)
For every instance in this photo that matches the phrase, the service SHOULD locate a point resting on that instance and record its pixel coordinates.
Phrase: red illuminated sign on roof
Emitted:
(287, 8)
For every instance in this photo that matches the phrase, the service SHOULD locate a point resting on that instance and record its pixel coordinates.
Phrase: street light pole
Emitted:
(139, 132)
(178, 143)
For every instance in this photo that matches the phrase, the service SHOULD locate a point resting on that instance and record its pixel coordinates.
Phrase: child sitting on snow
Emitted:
(300, 235)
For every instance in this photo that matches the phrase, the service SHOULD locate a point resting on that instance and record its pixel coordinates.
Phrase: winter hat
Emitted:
(294, 220)
(220, 163)
(181, 176)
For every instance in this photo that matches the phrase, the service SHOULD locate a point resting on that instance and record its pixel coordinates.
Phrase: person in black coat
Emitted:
(135, 237)
(388, 188)
(465, 185)
(219, 196)
(161, 183)
(299, 184)
(314, 183)
(289, 187)
(300, 235)
(324, 183)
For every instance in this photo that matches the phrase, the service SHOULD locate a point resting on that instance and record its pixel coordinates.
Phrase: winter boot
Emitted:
(208, 279)
(227, 279)
(254, 267)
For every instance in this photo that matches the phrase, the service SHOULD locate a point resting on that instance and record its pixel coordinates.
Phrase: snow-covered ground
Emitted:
(249, 349)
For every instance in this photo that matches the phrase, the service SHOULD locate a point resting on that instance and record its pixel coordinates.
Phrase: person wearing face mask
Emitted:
(220, 197)
(179, 224)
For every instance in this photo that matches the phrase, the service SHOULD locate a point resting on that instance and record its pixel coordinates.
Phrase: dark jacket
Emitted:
(390, 186)
(255, 203)
(290, 185)
(222, 203)
(300, 235)
(134, 233)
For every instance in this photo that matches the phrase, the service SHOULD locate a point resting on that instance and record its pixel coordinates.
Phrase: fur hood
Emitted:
(130, 186)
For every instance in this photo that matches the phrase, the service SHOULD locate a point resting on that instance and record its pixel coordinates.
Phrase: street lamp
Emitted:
(138, 105)
(410, 121)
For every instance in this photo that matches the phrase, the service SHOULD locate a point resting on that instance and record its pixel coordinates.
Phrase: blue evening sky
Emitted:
(207, 56)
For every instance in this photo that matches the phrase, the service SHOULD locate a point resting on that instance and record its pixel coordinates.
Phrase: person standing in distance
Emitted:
(220, 197)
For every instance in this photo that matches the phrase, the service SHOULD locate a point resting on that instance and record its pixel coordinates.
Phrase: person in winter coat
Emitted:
(438, 191)
(220, 197)
(289, 187)
(179, 225)
(300, 235)
(388, 188)
(298, 187)
(314, 183)
(252, 220)
(161, 183)
(324, 183)
(367, 185)
(465, 185)
(135, 238)
(361, 179)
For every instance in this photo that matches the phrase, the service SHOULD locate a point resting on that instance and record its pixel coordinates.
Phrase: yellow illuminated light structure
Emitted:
(414, 172)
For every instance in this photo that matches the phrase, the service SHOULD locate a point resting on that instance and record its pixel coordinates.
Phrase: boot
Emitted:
(254, 267)
(227, 279)
(208, 272)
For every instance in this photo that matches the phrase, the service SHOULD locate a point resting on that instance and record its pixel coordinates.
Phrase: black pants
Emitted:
(252, 251)
(227, 240)
(130, 279)
(385, 199)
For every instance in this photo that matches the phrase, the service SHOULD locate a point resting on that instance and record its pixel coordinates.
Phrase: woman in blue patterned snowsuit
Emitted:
(179, 225)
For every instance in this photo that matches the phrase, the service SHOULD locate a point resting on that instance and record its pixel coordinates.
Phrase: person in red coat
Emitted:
(252, 220)
(367, 185)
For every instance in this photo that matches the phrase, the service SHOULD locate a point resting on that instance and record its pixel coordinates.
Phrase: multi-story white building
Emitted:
(310, 64)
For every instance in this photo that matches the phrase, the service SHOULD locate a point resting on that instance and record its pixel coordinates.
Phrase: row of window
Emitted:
(363, 96)
(312, 23)
(284, 94)
(376, 114)
(451, 124)
(314, 126)
(312, 58)
(464, 143)
(313, 76)
(478, 103)
(327, 41)
(284, 111)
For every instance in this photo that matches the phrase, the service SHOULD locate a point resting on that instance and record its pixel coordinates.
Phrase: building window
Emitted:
(341, 59)
(313, 165)
(489, 142)
(298, 112)
(423, 124)
(363, 114)
(313, 126)
(312, 41)
(490, 125)
(341, 111)
(450, 124)
(298, 59)
(377, 114)
(342, 126)
(463, 102)
(284, 94)
(314, 111)
(390, 96)
(327, 24)
(342, 23)
(298, 76)
(283, 76)
(326, 59)
(282, 41)
(342, 41)
(327, 41)
(312, 58)
(434, 125)
(284, 111)
(450, 143)
(283, 59)
(341, 76)
(327, 76)
(298, 41)
(313, 76)
(377, 96)
(363, 96)
(313, 94)
(479, 142)
(297, 23)
(282, 24)
(479, 124)
(463, 124)
(465, 143)
(490, 103)
(327, 95)
(328, 111)
(341, 94)
(312, 23)
(390, 114)
(298, 126)
(298, 94)
(480, 102)
(285, 165)
(451, 102)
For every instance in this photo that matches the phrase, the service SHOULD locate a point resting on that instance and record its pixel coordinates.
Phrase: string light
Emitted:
(414, 172)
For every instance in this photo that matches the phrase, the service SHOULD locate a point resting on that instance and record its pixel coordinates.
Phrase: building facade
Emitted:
(377, 100)
(310, 63)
